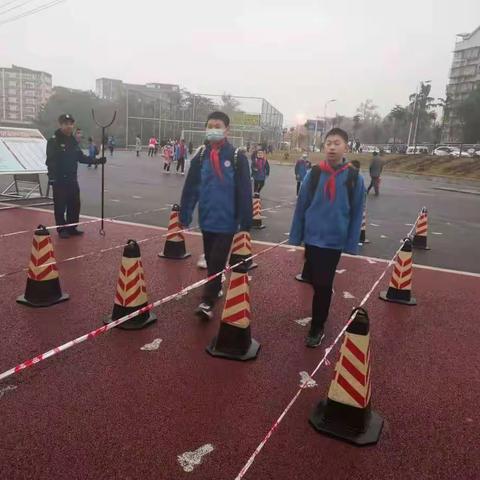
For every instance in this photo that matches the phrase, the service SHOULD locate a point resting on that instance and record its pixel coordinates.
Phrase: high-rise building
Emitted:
(22, 94)
(464, 78)
(111, 89)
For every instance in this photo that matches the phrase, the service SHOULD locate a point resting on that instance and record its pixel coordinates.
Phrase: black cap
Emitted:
(65, 117)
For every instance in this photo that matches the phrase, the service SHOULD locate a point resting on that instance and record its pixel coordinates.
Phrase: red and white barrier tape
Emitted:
(328, 350)
(116, 323)
(97, 252)
(86, 222)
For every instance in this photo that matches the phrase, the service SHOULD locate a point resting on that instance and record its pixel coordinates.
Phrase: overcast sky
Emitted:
(297, 54)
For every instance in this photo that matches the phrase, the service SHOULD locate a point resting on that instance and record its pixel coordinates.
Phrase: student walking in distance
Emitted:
(302, 166)
(138, 145)
(181, 155)
(376, 167)
(167, 154)
(111, 144)
(151, 146)
(63, 156)
(260, 169)
(328, 219)
(92, 153)
(219, 181)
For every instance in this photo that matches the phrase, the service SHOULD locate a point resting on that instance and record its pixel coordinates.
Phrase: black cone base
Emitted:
(397, 297)
(258, 226)
(234, 343)
(63, 298)
(136, 323)
(337, 425)
(174, 251)
(250, 265)
(420, 243)
(42, 293)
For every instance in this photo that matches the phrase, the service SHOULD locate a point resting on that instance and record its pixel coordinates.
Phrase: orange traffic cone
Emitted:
(400, 288)
(241, 251)
(363, 231)
(175, 242)
(257, 212)
(43, 284)
(131, 292)
(421, 232)
(234, 339)
(346, 414)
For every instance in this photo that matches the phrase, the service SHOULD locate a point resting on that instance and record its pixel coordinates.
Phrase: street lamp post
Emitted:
(325, 114)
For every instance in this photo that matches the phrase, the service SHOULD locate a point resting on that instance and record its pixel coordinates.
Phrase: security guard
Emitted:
(63, 155)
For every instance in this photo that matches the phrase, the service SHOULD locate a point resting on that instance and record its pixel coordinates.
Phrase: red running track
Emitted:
(105, 409)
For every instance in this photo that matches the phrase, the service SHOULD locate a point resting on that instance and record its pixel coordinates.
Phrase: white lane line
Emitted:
(409, 224)
(437, 233)
(189, 460)
(303, 321)
(150, 347)
(371, 260)
(306, 381)
(374, 225)
(348, 295)
(383, 236)
(136, 197)
(115, 200)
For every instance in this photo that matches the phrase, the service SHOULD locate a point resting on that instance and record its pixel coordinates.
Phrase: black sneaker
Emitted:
(75, 232)
(313, 340)
(204, 311)
(64, 234)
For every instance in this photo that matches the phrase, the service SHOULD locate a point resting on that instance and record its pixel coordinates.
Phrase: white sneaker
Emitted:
(204, 311)
(202, 263)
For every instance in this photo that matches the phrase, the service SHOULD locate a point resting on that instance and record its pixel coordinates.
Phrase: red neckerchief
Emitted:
(260, 163)
(330, 185)
(215, 157)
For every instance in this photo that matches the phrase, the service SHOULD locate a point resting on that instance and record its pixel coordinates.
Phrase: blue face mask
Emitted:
(215, 134)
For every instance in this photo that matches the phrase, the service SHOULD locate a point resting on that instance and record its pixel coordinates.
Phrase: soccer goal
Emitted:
(197, 137)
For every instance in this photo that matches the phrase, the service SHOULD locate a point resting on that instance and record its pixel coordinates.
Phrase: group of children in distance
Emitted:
(327, 218)
(172, 151)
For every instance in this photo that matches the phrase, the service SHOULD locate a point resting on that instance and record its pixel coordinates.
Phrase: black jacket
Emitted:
(63, 155)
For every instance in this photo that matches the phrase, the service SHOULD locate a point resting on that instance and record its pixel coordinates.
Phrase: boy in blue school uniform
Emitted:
(328, 219)
(219, 180)
(260, 169)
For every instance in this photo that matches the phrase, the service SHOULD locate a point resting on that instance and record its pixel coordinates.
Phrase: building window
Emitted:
(12, 83)
(13, 116)
(13, 108)
(12, 99)
(12, 91)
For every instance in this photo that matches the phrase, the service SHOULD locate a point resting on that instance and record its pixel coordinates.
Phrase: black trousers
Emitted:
(298, 187)
(321, 264)
(66, 199)
(216, 247)
(258, 185)
(375, 184)
(181, 164)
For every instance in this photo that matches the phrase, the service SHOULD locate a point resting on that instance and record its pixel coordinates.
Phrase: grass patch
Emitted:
(429, 165)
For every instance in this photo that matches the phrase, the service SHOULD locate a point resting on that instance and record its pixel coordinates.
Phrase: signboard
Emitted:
(22, 150)
(251, 119)
(310, 124)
